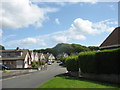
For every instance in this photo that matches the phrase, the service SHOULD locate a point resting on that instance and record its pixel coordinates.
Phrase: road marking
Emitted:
(13, 77)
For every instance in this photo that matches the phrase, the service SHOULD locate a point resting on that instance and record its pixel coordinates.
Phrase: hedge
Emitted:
(97, 62)
(108, 61)
(100, 62)
(72, 64)
(87, 62)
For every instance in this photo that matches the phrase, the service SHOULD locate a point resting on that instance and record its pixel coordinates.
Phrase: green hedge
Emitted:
(87, 62)
(72, 64)
(108, 61)
(100, 62)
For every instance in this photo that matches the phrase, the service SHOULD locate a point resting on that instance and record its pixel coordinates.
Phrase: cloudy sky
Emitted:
(34, 24)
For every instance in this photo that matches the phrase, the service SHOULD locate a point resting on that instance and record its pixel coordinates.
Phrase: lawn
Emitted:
(71, 82)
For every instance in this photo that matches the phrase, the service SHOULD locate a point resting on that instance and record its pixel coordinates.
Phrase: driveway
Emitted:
(35, 79)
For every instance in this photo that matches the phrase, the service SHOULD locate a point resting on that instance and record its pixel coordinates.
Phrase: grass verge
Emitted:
(71, 82)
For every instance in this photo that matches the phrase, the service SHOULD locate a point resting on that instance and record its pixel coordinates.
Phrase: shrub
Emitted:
(42, 62)
(63, 60)
(72, 63)
(87, 62)
(53, 61)
(35, 64)
(100, 62)
(108, 61)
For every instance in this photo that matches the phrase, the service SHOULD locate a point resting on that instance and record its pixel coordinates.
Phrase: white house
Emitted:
(49, 57)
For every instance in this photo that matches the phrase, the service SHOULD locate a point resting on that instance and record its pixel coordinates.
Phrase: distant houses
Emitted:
(112, 41)
(22, 58)
(15, 58)
(49, 57)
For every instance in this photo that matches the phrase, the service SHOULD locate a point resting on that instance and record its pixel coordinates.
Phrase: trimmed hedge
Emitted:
(72, 64)
(100, 62)
(97, 62)
(87, 62)
(108, 61)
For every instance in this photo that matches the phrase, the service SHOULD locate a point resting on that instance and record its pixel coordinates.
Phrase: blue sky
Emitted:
(36, 25)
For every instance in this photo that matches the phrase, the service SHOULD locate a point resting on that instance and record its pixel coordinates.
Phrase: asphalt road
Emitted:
(35, 79)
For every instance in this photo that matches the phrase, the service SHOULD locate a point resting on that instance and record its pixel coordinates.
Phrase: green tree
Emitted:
(93, 48)
(2, 47)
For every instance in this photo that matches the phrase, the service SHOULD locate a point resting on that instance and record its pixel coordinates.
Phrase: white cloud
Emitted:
(90, 1)
(78, 30)
(22, 13)
(26, 43)
(1, 32)
(57, 21)
(83, 27)
(59, 39)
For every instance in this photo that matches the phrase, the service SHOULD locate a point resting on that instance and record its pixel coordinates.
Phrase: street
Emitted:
(35, 79)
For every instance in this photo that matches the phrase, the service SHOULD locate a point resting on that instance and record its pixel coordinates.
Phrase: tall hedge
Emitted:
(87, 62)
(72, 64)
(97, 62)
(100, 62)
(108, 61)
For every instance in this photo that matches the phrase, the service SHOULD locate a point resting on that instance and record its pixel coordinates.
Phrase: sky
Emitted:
(33, 24)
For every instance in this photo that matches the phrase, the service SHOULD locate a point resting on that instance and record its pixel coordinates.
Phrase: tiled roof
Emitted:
(22, 57)
(113, 39)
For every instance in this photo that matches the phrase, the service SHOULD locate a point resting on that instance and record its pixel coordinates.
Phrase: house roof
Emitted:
(22, 57)
(112, 40)
(46, 55)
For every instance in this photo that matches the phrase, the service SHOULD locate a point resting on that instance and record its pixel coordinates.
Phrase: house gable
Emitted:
(113, 40)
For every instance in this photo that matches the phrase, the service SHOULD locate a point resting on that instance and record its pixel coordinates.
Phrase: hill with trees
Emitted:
(66, 48)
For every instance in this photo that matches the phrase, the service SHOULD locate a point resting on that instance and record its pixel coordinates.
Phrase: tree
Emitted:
(17, 48)
(2, 47)
(93, 48)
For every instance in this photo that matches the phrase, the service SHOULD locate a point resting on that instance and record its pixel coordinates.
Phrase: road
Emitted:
(35, 79)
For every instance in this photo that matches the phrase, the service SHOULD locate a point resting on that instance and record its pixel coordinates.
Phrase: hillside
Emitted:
(66, 48)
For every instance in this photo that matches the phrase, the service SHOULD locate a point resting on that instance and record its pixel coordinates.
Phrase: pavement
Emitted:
(33, 80)
(12, 73)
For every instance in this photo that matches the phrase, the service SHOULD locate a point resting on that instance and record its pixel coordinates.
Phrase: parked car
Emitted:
(59, 62)
(2, 67)
(49, 63)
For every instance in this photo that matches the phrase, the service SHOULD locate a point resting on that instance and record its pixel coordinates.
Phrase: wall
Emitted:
(19, 64)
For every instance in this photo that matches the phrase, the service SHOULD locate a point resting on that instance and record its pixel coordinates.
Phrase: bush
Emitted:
(63, 60)
(35, 64)
(107, 61)
(42, 62)
(53, 61)
(87, 62)
(100, 62)
(72, 63)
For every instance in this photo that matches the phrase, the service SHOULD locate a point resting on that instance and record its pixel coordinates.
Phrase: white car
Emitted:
(49, 63)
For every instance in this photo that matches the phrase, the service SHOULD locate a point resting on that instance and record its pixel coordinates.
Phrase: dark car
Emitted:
(2, 67)
(59, 62)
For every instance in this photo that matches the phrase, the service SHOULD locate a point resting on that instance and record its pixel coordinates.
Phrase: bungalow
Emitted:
(112, 41)
(16, 58)
(49, 57)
